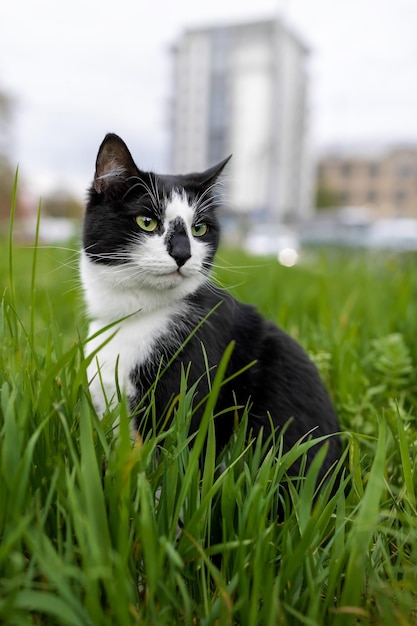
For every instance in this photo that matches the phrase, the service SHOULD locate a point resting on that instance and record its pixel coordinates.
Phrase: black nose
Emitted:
(179, 248)
(178, 244)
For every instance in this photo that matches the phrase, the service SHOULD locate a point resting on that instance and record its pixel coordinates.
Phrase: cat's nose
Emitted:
(179, 248)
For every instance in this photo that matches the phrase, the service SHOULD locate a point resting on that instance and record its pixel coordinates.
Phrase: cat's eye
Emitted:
(198, 230)
(146, 223)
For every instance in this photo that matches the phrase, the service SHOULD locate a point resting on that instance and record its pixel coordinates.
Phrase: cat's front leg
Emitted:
(113, 355)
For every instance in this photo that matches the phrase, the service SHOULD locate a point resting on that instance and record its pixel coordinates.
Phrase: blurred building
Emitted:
(384, 181)
(242, 90)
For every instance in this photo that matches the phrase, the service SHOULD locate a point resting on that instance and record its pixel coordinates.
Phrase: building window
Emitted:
(372, 196)
(373, 170)
(405, 170)
(399, 197)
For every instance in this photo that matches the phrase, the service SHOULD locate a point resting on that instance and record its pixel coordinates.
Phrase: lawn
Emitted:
(97, 531)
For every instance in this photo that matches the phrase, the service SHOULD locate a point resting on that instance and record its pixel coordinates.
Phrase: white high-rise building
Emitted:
(242, 90)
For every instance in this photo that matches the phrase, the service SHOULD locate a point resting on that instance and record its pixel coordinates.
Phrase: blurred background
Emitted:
(316, 100)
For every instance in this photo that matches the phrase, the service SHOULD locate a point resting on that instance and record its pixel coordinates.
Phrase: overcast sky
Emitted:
(80, 69)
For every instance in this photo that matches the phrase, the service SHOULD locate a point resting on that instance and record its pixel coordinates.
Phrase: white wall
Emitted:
(191, 101)
(251, 91)
(265, 117)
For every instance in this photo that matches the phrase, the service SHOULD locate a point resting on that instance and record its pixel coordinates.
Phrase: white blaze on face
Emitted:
(178, 207)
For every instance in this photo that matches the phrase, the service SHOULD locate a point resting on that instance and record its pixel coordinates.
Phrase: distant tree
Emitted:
(6, 187)
(61, 204)
(326, 197)
(7, 171)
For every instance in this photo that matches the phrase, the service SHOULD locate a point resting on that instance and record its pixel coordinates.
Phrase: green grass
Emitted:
(96, 531)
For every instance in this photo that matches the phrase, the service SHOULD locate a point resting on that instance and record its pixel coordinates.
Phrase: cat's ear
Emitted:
(114, 163)
(210, 176)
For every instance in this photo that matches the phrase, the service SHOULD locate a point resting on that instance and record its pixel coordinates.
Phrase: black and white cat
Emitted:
(148, 245)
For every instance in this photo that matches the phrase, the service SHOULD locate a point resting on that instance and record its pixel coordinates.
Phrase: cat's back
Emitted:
(268, 372)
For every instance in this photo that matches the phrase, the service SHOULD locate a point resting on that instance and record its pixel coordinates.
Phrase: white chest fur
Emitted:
(119, 350)
(129, 342)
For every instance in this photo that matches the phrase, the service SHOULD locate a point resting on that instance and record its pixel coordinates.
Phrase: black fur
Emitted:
(283, 381)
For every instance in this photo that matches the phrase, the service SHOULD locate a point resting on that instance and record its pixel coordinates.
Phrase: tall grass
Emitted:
(95, 530)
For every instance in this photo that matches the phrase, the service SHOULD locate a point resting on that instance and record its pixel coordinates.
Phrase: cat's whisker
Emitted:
(238, 269)
(75, 288)
(202, 206)
(70, 262)
(232, 268)
(213, 193)
(142, 184)
(115, 255)
(61, 265)
(42, 246)
(155, 190)
(212, 283)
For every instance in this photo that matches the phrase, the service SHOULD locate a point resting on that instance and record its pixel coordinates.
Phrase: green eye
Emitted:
(146, 223)
(198, 230)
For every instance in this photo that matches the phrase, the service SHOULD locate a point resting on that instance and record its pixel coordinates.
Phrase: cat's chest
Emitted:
(121, 349)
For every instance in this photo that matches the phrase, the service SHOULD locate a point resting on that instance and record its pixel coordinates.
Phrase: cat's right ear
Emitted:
(114, 163)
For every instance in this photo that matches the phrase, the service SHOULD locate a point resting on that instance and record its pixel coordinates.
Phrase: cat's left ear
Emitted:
(210, 176)
(114, 163)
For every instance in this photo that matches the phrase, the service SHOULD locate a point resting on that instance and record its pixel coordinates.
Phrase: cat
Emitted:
(148, 246)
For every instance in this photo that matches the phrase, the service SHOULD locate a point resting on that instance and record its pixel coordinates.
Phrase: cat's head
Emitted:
(148, 231)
